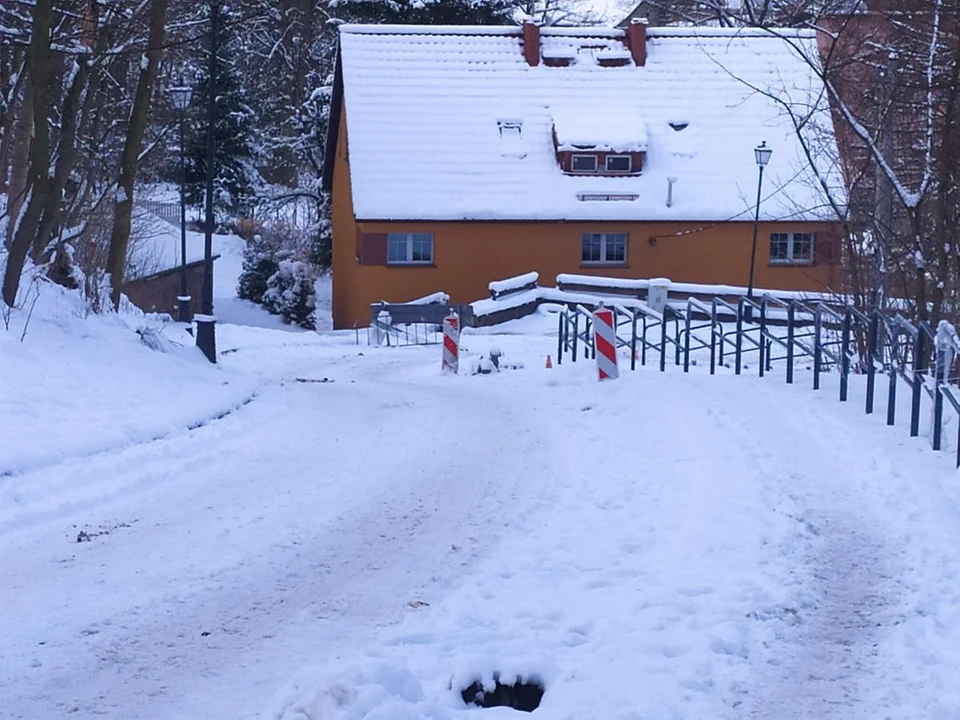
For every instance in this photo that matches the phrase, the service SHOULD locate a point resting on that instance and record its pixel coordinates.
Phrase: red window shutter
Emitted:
(373, 249)
(827, 247)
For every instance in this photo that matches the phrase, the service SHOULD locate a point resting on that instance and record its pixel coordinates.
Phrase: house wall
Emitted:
(469, 255)
(158, 293)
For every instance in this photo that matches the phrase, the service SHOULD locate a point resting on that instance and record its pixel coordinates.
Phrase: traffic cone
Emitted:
(549, 363)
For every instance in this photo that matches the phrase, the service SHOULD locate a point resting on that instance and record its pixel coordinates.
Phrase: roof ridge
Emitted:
(578, 31)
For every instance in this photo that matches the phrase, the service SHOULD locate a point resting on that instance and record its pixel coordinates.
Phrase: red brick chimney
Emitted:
(531, 43)
(637, 40)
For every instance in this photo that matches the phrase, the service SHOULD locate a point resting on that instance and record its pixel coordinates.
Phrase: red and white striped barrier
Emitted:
(451, 343)
(605, 341)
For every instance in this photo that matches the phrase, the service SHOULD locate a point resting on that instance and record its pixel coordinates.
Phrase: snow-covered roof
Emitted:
(426, 108)
(615, 130)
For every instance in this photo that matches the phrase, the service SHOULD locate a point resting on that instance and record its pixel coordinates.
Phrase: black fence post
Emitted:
(643, 344)
(560, 328)
(892, 391)
(791, 317)
(663, 340)
(686, 342)
(872, 334)
(939, 380)
(739, 345)
(917, 383)
(816, 350)
(762, 339)
(676, 345)
(845, 355)
(591, 340)
(713, 340)
(633, 341)
(576, 336)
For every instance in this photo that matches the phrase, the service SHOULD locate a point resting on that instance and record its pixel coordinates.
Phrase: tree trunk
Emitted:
(20, 160)
(66, 157)
(123, 211)
(7, 120)
(38, 66)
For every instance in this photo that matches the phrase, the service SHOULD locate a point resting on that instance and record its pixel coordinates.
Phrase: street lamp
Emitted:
(762, 154)
(206, 322)
(180, 96)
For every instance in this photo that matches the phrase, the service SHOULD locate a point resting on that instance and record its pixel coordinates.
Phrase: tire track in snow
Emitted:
(825, 663)
(311, 555)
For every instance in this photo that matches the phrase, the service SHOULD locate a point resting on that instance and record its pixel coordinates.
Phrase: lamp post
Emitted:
(206, 322)
(180, 96)
(762, 155)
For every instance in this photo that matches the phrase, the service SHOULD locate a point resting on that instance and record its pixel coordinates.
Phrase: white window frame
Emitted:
(603, 249)
(408, 239)
(596, 162)
(607, 159)
(791, 244)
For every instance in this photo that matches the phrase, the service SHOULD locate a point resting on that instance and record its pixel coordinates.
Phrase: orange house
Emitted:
(461, 155)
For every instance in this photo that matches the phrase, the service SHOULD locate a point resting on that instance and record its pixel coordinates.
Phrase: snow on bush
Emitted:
(292, 294)
(259, 265)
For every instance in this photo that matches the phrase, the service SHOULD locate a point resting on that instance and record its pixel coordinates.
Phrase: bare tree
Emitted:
(120, 238)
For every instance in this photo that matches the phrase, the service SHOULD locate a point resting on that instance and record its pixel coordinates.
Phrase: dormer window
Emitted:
(584, 163)
(608, 142)
(618, 164)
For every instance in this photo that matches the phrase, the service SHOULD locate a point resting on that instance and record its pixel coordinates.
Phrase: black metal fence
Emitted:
(834, 337)
(403, 324)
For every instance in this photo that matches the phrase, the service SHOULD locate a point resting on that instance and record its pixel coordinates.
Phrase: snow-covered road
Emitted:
(666, 546)
(220, 558)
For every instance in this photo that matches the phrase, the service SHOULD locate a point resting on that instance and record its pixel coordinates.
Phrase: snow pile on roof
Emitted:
(422, 106)
(604, 129)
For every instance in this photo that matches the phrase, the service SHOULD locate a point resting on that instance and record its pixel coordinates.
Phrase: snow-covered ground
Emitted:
(315, 529)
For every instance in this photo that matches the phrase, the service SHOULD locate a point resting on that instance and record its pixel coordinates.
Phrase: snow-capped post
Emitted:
(945, 345)
(451, 343)
(605, 342)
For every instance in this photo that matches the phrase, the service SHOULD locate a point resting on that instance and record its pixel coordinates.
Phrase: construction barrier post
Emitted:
(605, 343)
(451, 343)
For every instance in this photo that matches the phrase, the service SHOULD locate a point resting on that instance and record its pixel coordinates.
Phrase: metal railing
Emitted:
(836, 338)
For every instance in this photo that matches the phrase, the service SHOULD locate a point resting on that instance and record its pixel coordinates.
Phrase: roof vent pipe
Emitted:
(531, 43)
(670, 181)
(637, 40)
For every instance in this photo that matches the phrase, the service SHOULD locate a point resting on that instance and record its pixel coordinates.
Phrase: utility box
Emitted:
(657, 293)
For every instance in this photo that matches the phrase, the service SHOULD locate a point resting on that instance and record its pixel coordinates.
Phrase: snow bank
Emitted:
(375, 691)
(80, 384)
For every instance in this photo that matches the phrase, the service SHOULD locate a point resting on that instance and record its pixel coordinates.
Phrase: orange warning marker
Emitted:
(549, 363)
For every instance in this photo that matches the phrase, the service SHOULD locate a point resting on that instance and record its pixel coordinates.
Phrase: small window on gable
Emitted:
(510, 128)
(618, 163)
(679, 125)
(583, 163)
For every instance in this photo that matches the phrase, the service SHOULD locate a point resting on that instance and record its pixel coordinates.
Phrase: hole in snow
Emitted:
(525, 696)
(679, 125)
